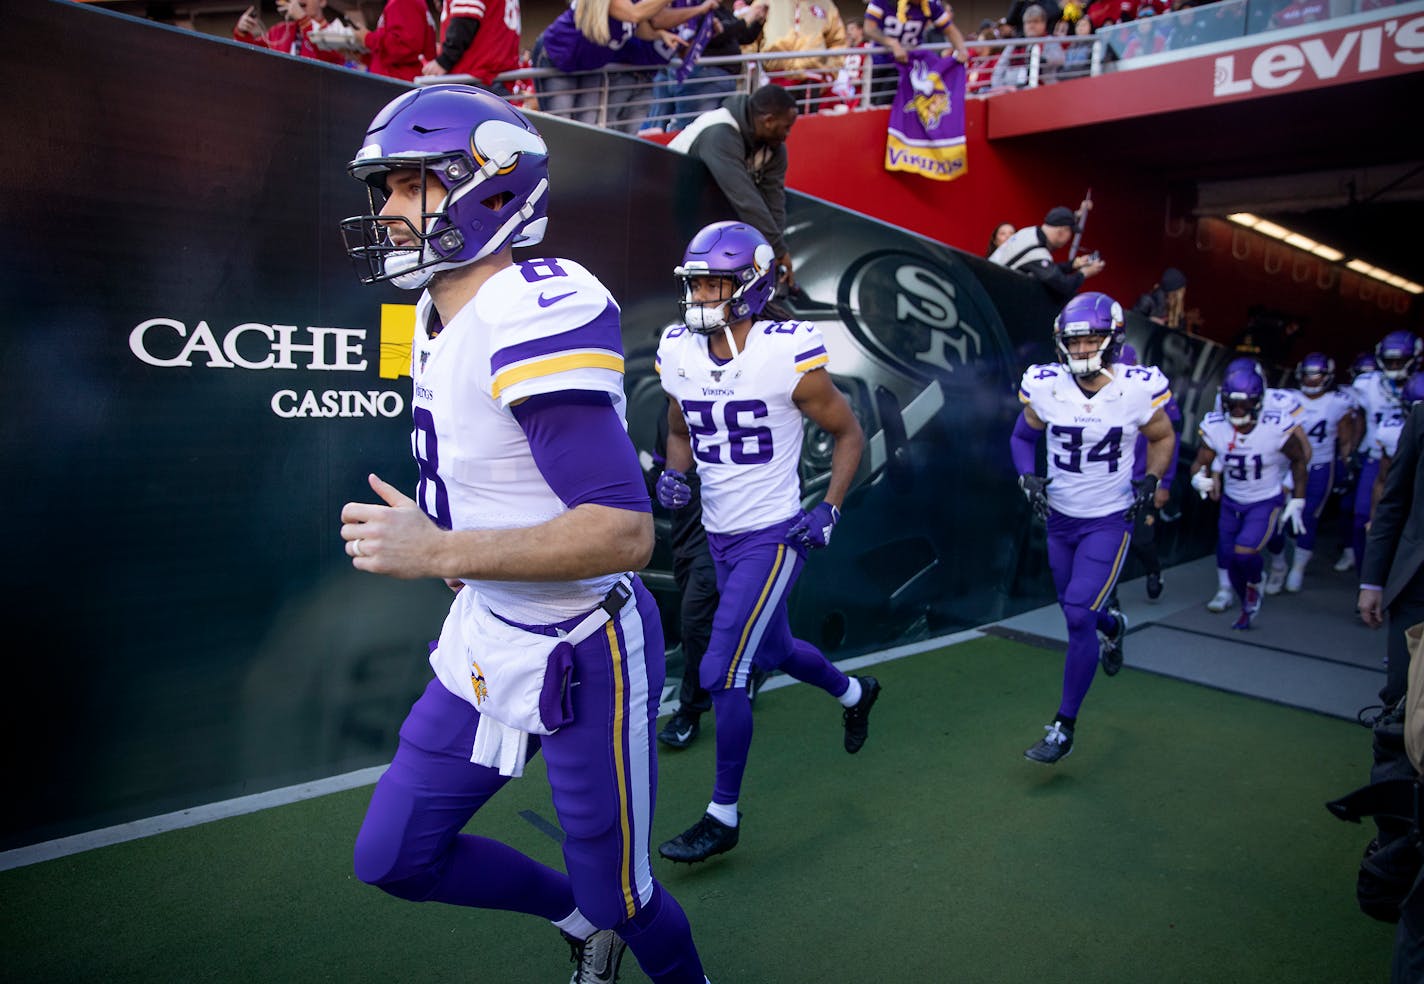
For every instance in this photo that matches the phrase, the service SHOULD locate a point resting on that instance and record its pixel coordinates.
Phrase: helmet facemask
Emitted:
(1088, 365)
(1242, 409)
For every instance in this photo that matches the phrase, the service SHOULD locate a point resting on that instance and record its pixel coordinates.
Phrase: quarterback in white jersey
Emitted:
(737, 388)
(1256, 448)
(531, 505)
(1091, 408)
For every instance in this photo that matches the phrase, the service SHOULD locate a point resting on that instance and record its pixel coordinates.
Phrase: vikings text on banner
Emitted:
(926, 131)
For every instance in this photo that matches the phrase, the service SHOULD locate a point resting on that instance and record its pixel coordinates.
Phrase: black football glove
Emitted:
(1142, 491)
(1035, 490)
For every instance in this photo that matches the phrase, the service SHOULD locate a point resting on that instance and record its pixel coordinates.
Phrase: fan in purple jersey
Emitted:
(740, 387)
(551, 644)
(1256, 448)
(1092, 408)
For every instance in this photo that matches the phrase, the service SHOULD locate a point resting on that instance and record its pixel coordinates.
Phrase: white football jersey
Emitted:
(746, 430)
(1253, 466)
(1320, 419)
(1387, 437)
(1092, 440)
(540, 326)
(1379, 401)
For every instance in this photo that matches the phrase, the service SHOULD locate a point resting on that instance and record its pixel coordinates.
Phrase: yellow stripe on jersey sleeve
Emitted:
(1166, 395)
(1024, 398)
(549, 365)
(813, 363)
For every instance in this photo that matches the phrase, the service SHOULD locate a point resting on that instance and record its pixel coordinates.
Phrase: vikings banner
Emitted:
(926, 132)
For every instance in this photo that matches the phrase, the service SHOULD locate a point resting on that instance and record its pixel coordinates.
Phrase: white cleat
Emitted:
(1275, 580)
(1222, 600)
(1295, 580)
(1346, 561)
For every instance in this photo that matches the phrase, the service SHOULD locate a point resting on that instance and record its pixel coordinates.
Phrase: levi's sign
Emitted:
(1342, 56)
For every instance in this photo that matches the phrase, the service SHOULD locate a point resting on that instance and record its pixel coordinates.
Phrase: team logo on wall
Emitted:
(913, 313)
(168, 343)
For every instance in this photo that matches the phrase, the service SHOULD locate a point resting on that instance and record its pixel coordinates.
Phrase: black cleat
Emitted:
(1110, 646)
(596, 959)
(857, 718)
(681, 729)
(755, 678)
(1154, 586)
(701, 841)
(1053, 746)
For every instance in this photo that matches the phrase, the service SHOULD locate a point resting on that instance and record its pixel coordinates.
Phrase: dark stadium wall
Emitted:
(198, 383)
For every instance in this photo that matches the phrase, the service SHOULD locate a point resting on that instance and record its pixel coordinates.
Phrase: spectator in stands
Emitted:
(402, 41)
(1000, 235)
(812, 26)
(678, 104)
(1106, 13)
(900, 28)
(1030, 251)
(1013, 69)
(596, 33)
(743, 144)
(1052, 12)
(1145, 39)
(1166, 301)
(521, 91)
(292, 35)
(1189, 28)
(1078, 57)
(849, 85)
(982, 59)
(479, 38)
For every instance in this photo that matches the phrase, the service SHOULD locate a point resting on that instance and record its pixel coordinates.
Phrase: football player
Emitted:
(738, 386)
(1092, 409)
(1256, 447)
(1397, 355)
(1144, 533)
(1287, 403)
(1387, 434)
(531, 506)
(1330, 420)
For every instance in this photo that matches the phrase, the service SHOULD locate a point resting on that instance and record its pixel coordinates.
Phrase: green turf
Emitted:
(1184, 840)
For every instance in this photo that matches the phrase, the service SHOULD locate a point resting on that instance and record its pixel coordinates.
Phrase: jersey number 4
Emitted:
(1108, 450)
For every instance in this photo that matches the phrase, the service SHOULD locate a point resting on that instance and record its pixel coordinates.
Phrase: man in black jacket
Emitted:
(1031, 249)
(1392, 573)
(743, 144)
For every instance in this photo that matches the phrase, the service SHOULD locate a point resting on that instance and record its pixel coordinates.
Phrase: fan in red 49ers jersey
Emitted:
(478, 38)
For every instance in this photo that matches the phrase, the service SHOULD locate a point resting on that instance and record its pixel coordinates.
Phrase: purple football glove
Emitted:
(673, 490)
(813, 529)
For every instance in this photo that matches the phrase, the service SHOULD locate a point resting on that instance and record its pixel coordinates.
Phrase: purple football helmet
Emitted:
(734, 251)
(1092, 315)
(1398, 354)
(1413, 390)
(1364, 362)
(493, 165)
(1243, 388)
(1315, 373)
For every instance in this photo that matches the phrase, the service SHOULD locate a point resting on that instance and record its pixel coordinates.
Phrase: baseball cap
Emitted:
(1061, 216)
(1172, 278)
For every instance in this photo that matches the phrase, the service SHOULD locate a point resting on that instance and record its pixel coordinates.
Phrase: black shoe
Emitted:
(596, 959)
(703, 839)
(1154, 586)
(1110, 646)
(857, 718)
(755, 679)
(1053, 746)
(681, 729)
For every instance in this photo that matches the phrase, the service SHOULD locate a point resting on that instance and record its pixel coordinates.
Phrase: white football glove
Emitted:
(1203, 482)
(1293, 516)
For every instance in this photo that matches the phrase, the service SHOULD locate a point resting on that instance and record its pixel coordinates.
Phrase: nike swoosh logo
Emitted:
(684, 735)
(546, 301)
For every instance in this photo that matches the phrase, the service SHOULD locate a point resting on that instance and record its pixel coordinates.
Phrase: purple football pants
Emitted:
(1369, 471)
(755, 574)
(1086, 557)
(602, 769)
(1242, 532)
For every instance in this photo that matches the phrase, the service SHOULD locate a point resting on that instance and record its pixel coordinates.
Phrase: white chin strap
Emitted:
(706, 319)
(1241, 421)
(398, 269)
(1396, 374)
(1090, 366)
(1311, 390)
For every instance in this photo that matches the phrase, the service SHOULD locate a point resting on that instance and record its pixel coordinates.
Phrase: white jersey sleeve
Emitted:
(552, 327)
(1387, 437)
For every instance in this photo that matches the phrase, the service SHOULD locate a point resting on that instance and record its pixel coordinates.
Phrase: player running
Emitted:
(531, 505)
(1092, 410)
(738, 387)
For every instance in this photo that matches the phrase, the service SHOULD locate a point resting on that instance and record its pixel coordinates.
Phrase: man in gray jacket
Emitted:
(743, 144)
